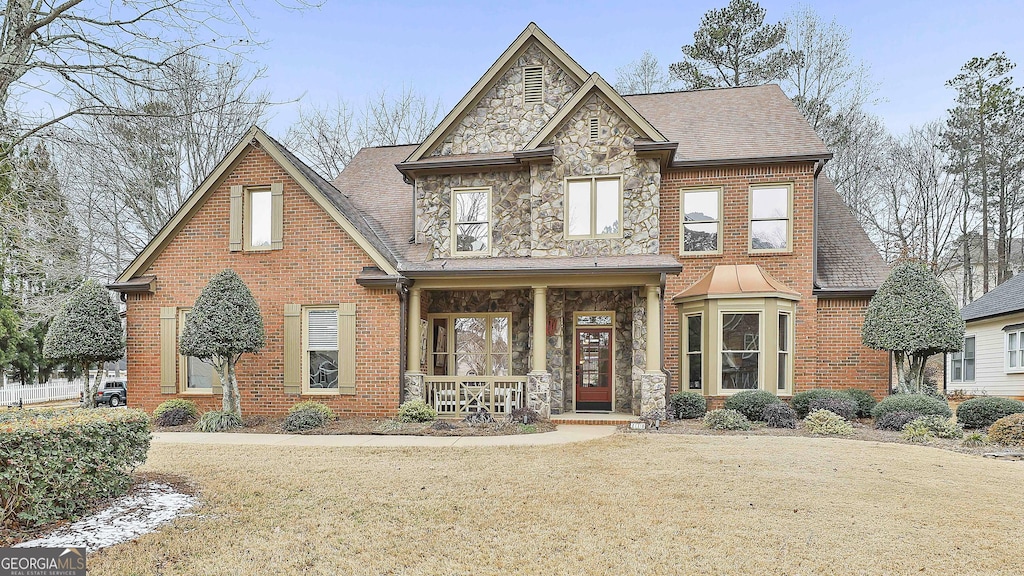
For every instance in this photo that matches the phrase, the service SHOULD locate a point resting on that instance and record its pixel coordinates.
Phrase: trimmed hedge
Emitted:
(57, 464)
(920, 403)
(801, 401)
(182, 403)
(1008, 430)
(779, 415)
(688, 405)
(865, 401)
(826, 423)
(983, 412)
(845, 407)
(751, 403)
(323, 409)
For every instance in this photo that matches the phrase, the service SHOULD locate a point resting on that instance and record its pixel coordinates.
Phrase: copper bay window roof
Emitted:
(737, 281)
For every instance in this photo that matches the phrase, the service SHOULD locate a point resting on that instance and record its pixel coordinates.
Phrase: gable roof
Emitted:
(321, 191)
(726, 125)
(492, 75)
(1006, 298)
(847, 260)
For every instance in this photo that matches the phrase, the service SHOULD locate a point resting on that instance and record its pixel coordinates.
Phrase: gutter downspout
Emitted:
(664, 370)
(818, 167)
(402, 288)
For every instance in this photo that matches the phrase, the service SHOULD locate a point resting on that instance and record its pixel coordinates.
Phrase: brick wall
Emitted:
(843, 362)
(318, 265)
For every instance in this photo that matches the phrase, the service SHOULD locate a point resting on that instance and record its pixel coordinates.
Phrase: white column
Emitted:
(653, 330)
(413, 347)
(540, 335)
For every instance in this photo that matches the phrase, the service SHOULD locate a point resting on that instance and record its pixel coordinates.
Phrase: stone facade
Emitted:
(517, 302)
(414, 386)
(538, 393)
(500, 122)
(652, 396)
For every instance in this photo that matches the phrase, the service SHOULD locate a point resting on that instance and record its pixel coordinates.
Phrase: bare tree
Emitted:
(329, 136)
(643, 76)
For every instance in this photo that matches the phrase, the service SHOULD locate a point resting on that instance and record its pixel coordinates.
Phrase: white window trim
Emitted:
(1019, 369)
(593, 206)
(247, 218)
(686, 350)
(760, 312)
(751, 219)
(305, 352)
(183, 364)
(487, 190)
(682, 220)
(963, 348)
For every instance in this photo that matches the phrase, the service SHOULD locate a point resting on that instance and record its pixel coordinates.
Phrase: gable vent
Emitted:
(533, 85)
(595, 129)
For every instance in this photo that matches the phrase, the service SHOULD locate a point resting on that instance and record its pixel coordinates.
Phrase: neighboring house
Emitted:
(952, 275)
(992, 359)
(529, 251)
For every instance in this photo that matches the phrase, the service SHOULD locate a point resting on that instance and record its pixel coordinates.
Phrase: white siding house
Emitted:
(992, 359)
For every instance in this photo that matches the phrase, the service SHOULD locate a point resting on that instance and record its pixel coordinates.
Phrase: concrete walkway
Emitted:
(564, 434)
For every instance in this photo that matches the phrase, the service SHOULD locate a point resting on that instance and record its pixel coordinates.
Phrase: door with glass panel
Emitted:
(594, 368)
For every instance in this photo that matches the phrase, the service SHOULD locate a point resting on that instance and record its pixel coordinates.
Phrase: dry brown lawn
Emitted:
(640, 504)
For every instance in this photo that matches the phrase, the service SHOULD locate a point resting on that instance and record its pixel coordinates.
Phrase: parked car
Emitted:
(114, 393)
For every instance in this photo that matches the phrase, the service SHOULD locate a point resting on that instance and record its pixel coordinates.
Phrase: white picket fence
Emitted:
(55, 389)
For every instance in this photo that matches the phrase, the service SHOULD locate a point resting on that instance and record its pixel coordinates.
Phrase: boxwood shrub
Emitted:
(825, 423)
(306, 418)
(726, 420)
(896, 420)
(845, 407)
(55, 466)
(751, 403)
(922, 404)
(865, 401)
(1008, 430)
(801, 401)
(688, 405)
(323, 409)
(983, 412)
(416, 411)
(181, 403)
(779, 415)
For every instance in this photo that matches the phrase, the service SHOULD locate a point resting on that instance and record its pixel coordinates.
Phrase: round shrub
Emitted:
(983, 412)
(218, 421)
(896, 420)
(688, 405)
(1008, 430)
(174, 417)
(751, 403)
(315, 406)
(845, 407)
(181, 403)
(726, 420)
(865, 401)
(779, 415)
(825, 423)
(304, 419)
(416, 411)
(921, 403)
(938, 426)
(801, 401)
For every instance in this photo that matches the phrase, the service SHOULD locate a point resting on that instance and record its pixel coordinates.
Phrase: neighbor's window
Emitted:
(471, 220)
(770, 215)
(260, 216)
(593, 207)
(1014, 351)
(694, 351)
(785, 349)
(962, 362)
(196, 375)
(741, 347)
(320, 350)
(702, 221)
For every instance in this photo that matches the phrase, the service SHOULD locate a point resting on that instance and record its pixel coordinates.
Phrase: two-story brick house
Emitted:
(551, 243)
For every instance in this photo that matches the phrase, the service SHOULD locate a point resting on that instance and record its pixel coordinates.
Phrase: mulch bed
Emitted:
(382, 426)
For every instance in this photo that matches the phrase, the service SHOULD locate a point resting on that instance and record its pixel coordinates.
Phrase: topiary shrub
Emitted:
(865, 401)
(315, 406)
(983, 412)
(174, 417)
(751, 403)
(726, 419)
(524, 415)
(416, 411)
(218, 421)
(56, 467)
(938, 426)
(844, 406)
(896, 420)
(306, 418)
(825, 423)
(801, 401)
(1008, 430)
(779, 415)
(480, 417)
(920, 403)
(180, 403)
(688, 405)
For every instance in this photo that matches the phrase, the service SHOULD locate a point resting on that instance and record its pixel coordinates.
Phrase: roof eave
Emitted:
(743, 161)
(840, 293)
(490, 273)
(993, 315)
(139, 284)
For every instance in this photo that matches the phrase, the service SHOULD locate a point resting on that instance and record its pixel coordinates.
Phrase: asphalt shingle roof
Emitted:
(1003, 299)
(847, 258)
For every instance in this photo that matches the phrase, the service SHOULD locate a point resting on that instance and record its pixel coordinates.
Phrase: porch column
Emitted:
(538, 381)
(653, 380)
(413, 375)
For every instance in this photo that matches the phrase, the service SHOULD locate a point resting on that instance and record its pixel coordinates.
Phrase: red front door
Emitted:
(593, 368)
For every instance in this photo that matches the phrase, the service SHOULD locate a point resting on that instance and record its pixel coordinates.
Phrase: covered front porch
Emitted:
(557, 345)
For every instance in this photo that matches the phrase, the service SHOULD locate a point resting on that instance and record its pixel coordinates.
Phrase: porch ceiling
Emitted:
(590, 272)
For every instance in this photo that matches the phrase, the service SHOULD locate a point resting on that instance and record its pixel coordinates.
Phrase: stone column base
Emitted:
(538, 393)
(652, 395)
(414, 386)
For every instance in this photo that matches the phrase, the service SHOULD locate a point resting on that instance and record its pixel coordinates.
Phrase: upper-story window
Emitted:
(256, 215)
(259, 219)
(771, 215)
(702, 221)
(593, 207)
(533, 85)
(471, 226)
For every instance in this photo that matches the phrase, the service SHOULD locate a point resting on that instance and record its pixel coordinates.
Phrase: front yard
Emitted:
(630, 504)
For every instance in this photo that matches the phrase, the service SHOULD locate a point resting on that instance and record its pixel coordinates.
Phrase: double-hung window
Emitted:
(196, 376)
(1014, 351)
(741, 350)
(695, 351)
(320, 350)
(771, 214)
(701, 221)
(471, 223)
(962, 362)
(785, 357)
(593, 207)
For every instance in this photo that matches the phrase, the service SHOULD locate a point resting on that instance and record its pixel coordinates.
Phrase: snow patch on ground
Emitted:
(129, 517)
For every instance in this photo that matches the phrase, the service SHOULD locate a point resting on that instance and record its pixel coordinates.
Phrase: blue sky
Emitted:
(353, 49)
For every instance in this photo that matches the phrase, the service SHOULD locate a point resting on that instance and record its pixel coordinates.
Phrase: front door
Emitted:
(594, 368)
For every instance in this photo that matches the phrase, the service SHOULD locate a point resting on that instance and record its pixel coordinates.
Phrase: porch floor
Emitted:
(594, 418)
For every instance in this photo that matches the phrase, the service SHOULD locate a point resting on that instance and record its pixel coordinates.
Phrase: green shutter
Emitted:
(347, 348)
(235, 219)
(168, 350)
(293, 349)
(277, 216)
